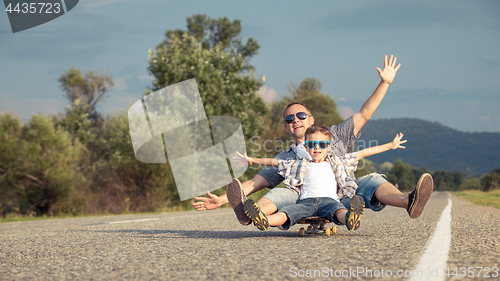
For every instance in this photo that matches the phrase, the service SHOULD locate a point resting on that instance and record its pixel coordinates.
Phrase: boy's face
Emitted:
(317, 153)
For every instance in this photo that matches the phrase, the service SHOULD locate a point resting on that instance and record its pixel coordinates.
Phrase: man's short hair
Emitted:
(319, 128)
(294, 103)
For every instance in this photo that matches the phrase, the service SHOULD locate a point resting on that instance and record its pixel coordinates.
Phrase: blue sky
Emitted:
(449, 51)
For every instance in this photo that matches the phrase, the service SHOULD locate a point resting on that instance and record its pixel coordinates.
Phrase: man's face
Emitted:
(318, 154)
(297, 128)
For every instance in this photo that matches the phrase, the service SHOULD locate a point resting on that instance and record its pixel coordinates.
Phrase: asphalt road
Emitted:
(212, 245)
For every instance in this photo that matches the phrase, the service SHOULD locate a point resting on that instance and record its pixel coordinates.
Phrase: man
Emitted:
(373, 188)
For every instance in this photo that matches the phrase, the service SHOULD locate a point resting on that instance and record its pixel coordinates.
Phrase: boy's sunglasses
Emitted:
(301, 115)
(312, 144)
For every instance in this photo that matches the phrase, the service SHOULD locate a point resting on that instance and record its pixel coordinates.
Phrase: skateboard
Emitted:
(316, 226)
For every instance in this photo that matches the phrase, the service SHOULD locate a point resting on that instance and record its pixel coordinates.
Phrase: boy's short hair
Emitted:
(319, 128)
(294, 103)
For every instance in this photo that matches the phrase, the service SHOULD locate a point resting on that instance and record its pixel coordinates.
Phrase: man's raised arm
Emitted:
(387, 76)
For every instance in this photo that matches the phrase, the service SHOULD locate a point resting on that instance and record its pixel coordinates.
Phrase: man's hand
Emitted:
(396, 142)
(387, 75)
(242, 159)
(210, 203)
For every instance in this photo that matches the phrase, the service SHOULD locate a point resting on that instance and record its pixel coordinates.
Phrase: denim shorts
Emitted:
(367, 185)
(282, 197)
(323, 207)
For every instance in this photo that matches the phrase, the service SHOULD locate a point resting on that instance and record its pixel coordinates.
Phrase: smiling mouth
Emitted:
(298, 127)
(317, 153)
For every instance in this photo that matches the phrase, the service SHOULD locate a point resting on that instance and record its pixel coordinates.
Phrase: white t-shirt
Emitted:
(319, 181)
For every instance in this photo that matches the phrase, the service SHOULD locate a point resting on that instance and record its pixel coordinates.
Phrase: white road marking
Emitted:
(432, 263)
(133, 221)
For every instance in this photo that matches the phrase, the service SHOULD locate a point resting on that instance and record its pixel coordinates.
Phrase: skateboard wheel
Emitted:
(328, 231)
(302, 232)
(334, 229)
(309, 228)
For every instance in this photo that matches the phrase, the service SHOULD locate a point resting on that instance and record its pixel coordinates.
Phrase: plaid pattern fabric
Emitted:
(342, 137)
(294, 172)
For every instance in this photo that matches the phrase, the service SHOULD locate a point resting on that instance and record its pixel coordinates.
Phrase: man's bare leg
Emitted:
(414, 202)
(236, 195)
(388, 194)
(267, 206)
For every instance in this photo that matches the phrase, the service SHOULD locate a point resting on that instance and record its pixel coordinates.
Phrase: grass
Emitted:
(21, 218)
(13, 217)
(490, 199)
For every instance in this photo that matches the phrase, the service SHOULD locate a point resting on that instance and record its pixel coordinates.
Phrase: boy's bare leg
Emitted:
(277, 219)
(267, 206)
(340, 214)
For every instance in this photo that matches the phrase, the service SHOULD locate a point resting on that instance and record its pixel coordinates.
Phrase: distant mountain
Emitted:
(433, 145)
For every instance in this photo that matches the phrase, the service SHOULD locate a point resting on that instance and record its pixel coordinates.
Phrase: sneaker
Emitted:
(237, 198)
(418, 197)
(353, 216)
(256, 215)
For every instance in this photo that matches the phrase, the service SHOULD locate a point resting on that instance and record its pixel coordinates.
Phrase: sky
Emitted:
(449, 53)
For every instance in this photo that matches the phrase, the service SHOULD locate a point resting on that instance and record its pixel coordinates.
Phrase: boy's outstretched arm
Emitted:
(259, 161)
(386, 77)
(395, 143)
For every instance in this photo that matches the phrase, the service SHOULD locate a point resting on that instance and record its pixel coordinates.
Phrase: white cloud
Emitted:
(346, 112)
(120, 84)
(267, 94)
(485, 119)
(146, 78)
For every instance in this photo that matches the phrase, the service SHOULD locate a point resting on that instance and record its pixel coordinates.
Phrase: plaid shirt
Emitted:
(342, 137)
(294, 172)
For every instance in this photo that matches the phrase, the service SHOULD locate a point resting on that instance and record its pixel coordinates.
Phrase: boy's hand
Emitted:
(243, 159)
(387, 75)
(210, 203)
(396, 142)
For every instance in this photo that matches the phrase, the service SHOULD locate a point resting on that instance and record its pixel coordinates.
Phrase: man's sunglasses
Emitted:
(301, 115)
(312, 144)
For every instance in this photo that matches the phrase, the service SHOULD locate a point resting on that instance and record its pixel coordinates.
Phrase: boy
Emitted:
(316, 181)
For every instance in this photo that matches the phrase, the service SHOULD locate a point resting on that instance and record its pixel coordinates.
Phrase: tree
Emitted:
(225, 79)
(221, 32)
(471, 184)
(11, 147)
(90, 89)
(50, 161)
(76, 122)
(444, 180)
(491, 181)
(123, 183)
(402, 176)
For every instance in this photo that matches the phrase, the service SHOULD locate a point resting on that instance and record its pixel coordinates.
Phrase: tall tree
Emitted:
(210, 32)
(225, 79)
(90, 89)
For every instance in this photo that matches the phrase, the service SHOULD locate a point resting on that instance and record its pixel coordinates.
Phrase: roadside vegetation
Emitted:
(490, 199)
